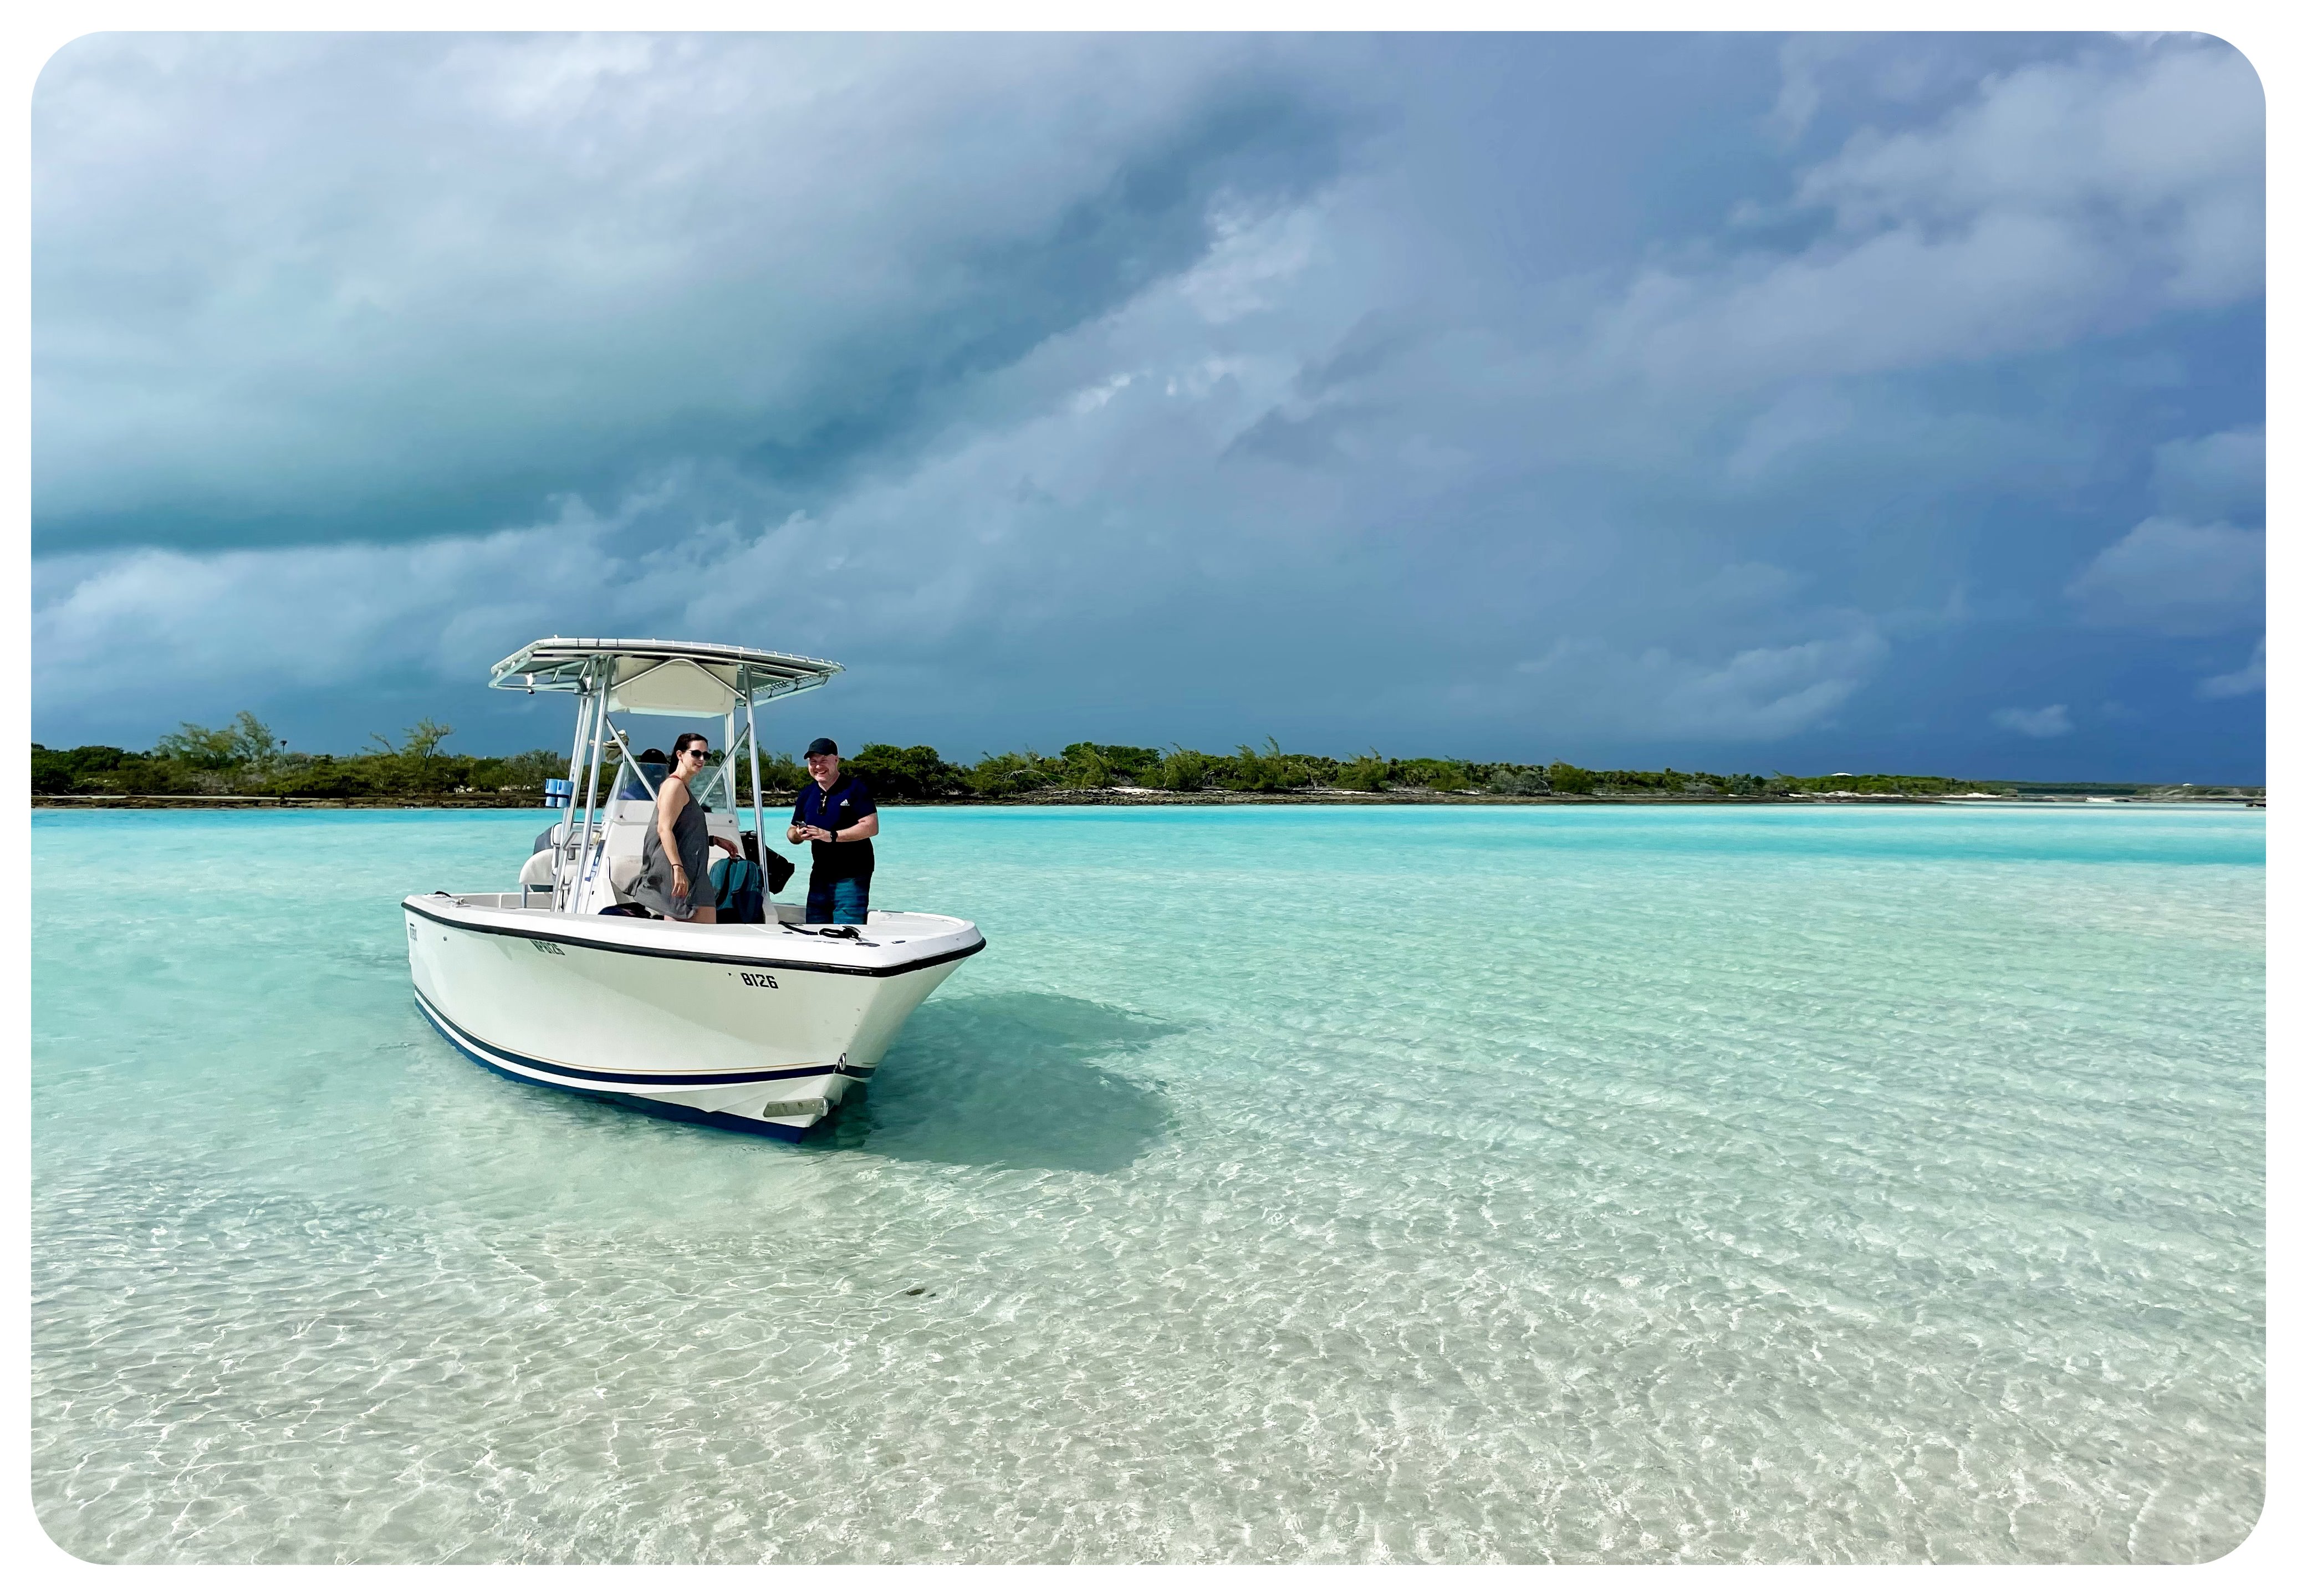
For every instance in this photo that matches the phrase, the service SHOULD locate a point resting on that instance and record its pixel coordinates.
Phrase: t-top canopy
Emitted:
(649, 677)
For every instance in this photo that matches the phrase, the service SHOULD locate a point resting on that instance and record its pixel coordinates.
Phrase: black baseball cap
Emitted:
(819, 746)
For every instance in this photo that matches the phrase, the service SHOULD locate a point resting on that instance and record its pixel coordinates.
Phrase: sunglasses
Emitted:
(695, 753)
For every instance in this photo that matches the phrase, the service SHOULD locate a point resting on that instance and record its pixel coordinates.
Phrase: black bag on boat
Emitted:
(779, 870)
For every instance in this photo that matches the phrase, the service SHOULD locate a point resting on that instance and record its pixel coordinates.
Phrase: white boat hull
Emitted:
(755, 1028)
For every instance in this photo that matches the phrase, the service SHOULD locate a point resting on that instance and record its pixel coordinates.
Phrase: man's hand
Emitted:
(733, 848)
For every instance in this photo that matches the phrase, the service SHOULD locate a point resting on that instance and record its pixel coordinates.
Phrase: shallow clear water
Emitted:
(1446, 1184)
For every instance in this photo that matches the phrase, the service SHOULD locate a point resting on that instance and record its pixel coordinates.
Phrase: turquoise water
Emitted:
(1441, 1184)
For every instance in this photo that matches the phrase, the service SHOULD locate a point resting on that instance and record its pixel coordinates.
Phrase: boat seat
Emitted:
(537, 870)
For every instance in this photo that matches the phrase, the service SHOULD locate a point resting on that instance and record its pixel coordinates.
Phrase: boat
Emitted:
(562, 980)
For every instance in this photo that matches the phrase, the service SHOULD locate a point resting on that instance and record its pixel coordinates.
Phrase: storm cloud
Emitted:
(1754, 402)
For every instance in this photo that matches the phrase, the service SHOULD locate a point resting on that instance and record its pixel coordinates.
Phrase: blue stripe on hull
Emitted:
(621, 1099)
(650, 1077)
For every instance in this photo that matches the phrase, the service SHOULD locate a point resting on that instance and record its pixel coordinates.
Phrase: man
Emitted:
(839, 817)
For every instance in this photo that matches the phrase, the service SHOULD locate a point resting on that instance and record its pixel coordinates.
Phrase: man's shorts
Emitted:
(844, 902)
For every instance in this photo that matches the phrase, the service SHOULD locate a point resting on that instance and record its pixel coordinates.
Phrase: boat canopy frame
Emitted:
(605, 670)
(584, 664)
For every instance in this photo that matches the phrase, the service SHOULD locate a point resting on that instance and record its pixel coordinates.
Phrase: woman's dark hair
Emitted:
(678, 749)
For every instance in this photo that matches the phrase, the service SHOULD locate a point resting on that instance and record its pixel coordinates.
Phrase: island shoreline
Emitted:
(1121, 798)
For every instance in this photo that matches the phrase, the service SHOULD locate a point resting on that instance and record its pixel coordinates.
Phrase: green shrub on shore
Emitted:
(324, 778)
(246, 742)
(99, 768)
(899, 773)
(1185, 770)
(1520, 781)
(780, 773)
(1011, 774)
(1433, 774)
(1270, 770)
(1570, 779)
(1365, 773)
(1108, 765)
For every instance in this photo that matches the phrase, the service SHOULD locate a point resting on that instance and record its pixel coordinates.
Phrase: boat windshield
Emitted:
(632, 787)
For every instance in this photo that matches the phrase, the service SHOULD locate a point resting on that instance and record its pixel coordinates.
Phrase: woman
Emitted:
(674, 878)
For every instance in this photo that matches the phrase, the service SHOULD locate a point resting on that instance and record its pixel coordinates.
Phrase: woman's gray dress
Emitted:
(652, 888)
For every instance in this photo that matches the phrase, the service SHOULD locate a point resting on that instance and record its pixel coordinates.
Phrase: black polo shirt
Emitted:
(843, 805)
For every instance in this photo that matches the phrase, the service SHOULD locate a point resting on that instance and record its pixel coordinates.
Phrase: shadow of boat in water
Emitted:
(1007, 1079)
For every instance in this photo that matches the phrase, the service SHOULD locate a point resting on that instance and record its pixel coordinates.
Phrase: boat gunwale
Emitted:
(415, 906)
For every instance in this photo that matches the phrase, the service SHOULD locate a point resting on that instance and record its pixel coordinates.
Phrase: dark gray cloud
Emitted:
(288, 289)
(1521, 396)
